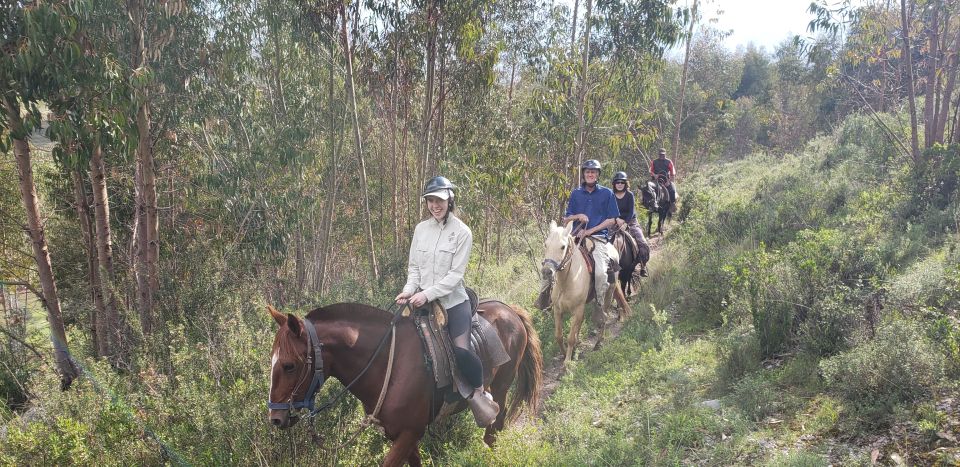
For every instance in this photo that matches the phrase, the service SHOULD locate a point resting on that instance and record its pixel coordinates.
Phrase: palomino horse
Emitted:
(389, 376)
(567, 286)
(656, 198)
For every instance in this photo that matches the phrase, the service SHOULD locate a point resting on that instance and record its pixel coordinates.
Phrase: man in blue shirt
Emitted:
(593, 208)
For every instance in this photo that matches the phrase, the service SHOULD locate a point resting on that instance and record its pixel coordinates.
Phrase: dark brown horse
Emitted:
(351, 338)
(632, 255)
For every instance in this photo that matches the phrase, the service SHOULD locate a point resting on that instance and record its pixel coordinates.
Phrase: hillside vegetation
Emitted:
(805, 307)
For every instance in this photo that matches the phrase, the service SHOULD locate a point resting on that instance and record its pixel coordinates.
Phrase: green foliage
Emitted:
(874, 374)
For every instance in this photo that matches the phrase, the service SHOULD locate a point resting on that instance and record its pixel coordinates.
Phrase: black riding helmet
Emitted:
(591, 164)
(619, 177)
(439, 186)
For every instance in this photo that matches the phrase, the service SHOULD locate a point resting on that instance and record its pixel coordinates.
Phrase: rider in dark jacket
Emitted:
(628, 217)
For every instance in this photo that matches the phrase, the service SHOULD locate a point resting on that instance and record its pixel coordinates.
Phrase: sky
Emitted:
(766, 23)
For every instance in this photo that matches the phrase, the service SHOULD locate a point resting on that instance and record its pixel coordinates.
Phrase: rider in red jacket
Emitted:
(664, 166)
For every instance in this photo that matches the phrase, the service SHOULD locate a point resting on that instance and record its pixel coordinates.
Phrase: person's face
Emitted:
(663, 155)
(590, 176)
(437, 207)
(619, 185)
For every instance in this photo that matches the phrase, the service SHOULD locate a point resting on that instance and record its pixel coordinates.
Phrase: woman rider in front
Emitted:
(439, 254)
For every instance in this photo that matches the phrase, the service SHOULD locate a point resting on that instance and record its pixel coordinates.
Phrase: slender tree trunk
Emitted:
(683, 83)
(149, 248)
(584, 82)
(358, 141)
(908, 77)
(427, 119)
(570, 96)
(98, 320)
(951, 71)
(573, 29)
(104, 243)
(34, 228)
(930, 86)
(394, 146)
(442, 106)
(332, 179)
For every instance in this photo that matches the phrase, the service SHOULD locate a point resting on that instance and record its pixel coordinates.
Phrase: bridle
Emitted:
(564, 262)
(315, 358)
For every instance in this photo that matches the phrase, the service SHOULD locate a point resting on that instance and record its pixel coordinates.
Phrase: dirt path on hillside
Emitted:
(552, 368)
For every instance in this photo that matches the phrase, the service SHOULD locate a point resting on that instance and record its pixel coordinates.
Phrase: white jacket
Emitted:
(439, 254)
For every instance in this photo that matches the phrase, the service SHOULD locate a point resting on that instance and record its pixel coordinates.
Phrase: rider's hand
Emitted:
(584, 218)
(581, 234)
(418, 299)
(620, 222)
(402, 297)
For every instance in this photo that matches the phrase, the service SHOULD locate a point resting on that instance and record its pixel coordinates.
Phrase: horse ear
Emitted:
(567, 229)
(553, 224)
(296, 327)
(280, 318)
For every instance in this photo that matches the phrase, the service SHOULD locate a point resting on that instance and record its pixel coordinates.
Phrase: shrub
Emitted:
(899, 365)
(831, 325)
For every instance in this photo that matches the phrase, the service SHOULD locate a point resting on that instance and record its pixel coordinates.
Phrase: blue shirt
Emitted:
(599, 205)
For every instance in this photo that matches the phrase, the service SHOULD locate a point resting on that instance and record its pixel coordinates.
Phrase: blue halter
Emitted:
(316, 359)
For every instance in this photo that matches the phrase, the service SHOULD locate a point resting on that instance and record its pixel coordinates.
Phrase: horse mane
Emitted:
(355, 312)
(349, 312)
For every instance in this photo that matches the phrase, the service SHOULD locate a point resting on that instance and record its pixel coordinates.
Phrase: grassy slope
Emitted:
(640, 400)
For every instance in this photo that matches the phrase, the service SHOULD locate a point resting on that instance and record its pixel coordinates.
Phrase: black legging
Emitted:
(458, 324)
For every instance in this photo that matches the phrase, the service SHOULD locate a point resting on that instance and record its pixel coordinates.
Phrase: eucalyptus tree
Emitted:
(38, 50)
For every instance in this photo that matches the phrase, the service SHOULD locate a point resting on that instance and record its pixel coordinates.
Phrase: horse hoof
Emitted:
(643, 273)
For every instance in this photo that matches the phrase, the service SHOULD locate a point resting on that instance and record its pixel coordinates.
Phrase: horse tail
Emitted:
(530, 372)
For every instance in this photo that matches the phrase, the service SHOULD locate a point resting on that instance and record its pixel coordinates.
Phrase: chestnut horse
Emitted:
(352, 345)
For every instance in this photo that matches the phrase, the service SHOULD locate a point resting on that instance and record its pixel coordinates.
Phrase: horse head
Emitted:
(556, 250)
(290, 368)
(649, 192)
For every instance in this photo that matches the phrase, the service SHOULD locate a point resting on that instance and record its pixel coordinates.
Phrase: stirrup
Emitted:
(484, 408)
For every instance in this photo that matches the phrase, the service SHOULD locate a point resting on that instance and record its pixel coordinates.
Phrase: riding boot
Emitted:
(484, 408)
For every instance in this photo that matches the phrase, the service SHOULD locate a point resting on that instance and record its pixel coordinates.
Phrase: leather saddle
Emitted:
(430, 321)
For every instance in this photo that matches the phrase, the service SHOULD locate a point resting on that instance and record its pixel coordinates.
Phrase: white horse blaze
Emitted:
(273, 363)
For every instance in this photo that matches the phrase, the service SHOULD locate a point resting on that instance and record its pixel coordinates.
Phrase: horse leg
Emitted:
(498, 389)
(414, 459)
(403, 450)
(558, 327)
(575, 322)
(649, 223)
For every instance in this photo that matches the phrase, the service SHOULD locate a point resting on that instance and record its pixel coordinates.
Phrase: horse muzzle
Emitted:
(282, 419)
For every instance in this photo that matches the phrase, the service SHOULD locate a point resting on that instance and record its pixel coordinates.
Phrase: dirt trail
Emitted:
(552, 368)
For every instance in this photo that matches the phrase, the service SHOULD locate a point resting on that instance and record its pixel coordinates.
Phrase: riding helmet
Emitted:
(591, 164)
(619, 177)
(440, 187)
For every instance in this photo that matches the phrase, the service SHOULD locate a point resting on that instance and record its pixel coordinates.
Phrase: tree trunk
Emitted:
(104, 243)
(98, 322)
(149, 242)
(908, 77)
(358, 141)
(426, 121)
(34, 228)
(584, 82)
(930, 86)
(332, 179)
(951, 71)
(683, 83)
(149, 248)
